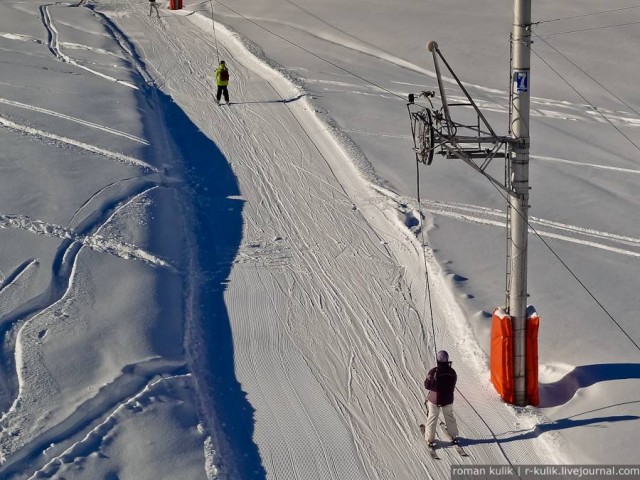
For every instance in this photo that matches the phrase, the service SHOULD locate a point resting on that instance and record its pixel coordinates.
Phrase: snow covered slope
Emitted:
(326, 296)
(93, 260)
(239, 291)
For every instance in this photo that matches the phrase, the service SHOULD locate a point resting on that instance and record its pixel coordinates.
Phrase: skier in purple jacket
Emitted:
(441, 383)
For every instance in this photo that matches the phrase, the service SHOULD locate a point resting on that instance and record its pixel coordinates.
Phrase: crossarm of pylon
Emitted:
(435, 51)
(456, 151)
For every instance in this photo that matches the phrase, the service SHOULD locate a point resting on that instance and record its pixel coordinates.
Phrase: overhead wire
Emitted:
(312, 53)
(424, 256)
(587, 74)
(589, 29)
(586, 15)
(215, 38)
(566, 266)
(581, 70)
(595, 109)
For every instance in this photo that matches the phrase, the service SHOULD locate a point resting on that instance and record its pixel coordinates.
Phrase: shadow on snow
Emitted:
(563, 390)
(214, 194)
(280, 100)
(561, 424)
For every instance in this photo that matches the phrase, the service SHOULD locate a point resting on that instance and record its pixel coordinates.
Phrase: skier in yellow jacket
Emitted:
(222, 80)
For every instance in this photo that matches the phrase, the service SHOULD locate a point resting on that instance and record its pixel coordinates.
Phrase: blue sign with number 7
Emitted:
(520, 81)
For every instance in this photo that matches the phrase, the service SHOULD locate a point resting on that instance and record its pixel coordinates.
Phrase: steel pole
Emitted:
(519, 198)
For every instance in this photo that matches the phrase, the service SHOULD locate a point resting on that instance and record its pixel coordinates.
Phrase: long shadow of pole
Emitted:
(560, 392)
(563, 390)
(561, 424)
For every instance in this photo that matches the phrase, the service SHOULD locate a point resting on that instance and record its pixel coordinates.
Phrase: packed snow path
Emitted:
(325, 297)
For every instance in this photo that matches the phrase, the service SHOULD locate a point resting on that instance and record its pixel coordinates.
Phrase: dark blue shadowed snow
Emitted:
(213, 191)
(218, 232)
(563, 390)
(560, 424)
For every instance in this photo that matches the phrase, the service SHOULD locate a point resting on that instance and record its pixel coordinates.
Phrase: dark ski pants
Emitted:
(222, 90)
(152, 7)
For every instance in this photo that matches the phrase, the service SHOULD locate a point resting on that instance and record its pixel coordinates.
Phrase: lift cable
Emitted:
(587, 74)
(424, 256)
(595, 109)
(586, 15)
(588, 29)
(571, 272)
(539, 36)
(314, 54)
(215, 38)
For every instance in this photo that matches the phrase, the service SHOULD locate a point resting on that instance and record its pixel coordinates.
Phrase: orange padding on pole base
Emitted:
(531, 359)
(501, 356)
(175, 4)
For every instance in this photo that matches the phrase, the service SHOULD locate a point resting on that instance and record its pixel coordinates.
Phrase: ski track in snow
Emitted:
(554, 109)
(544, 228)
(62, 116)
(92, 440)
(126, 159)
(19, 37)
(96, 416)
(54, 45)
(97, 242)
(92, 215)
(20, 312)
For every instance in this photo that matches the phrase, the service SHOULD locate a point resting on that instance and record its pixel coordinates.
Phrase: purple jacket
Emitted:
(441, 383)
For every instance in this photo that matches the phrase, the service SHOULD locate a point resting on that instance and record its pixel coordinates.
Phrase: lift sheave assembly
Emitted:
(470, 137)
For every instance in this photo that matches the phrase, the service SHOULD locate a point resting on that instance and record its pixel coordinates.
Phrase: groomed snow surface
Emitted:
(193, 291)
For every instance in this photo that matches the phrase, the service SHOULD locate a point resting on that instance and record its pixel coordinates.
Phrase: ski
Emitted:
(433, 453)
(432, 450)
(460, 451)
(457, 447)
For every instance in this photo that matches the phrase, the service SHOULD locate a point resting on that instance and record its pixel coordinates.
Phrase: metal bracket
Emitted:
(435, 131)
